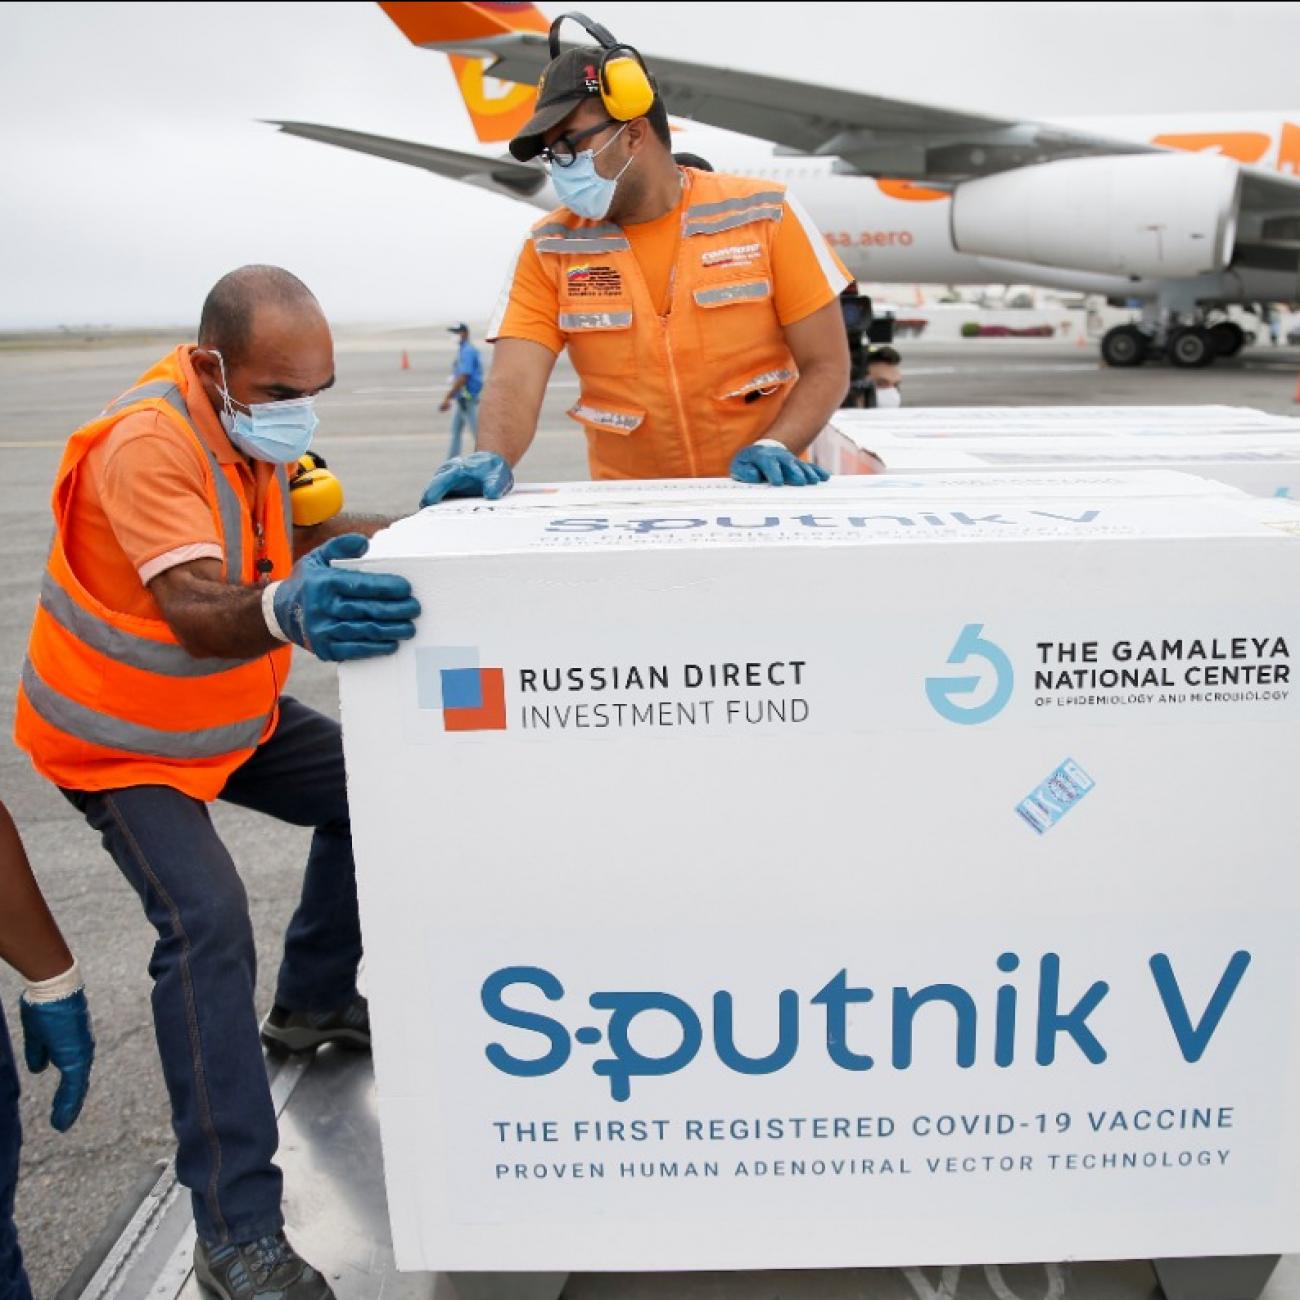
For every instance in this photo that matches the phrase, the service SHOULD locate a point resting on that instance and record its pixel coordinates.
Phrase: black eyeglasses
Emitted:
(564, 152)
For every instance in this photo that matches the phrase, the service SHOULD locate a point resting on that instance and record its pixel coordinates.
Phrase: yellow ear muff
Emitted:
(625, 88)
(314, 492)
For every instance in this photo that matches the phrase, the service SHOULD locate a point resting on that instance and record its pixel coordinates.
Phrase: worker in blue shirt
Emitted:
(466, 385)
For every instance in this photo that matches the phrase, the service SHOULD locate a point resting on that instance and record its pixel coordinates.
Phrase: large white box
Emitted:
(929, 422)
(913, 886)
(1263, 460)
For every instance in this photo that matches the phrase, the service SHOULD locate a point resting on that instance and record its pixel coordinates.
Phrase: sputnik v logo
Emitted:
(942, 691)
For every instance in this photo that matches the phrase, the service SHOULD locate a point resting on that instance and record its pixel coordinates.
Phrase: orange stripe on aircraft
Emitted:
(497, 109)
(1288, 152)
(909, 191)
(426, 23)
(1244, 146)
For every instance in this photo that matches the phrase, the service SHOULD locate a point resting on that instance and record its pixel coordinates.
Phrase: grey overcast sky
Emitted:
(133, 170)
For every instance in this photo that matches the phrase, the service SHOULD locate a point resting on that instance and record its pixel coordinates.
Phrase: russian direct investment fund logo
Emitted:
(451, 682)
(972, 698)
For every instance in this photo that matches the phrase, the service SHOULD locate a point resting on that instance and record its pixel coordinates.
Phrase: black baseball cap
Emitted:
(462, 328)
(566, 82)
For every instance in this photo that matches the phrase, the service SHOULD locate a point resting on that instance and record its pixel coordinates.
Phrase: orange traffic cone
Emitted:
(406, 361)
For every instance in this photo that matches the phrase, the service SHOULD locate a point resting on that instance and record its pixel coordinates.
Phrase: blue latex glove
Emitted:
(482, 474)
(768, 461)
(341, 614)
(59, 1033)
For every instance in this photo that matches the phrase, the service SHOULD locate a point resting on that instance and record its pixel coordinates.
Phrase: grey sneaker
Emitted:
(304, 1031)
(266, 1269)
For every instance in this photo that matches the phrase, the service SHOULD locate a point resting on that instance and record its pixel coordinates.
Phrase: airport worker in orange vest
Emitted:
(699, 309)
(153, 685)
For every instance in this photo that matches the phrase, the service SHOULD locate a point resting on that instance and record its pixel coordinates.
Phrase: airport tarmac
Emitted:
(382, 433)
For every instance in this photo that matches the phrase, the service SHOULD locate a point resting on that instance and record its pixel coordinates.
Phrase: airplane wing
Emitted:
(868, 134)
(522, 180)
(872, 135)
(498, 50)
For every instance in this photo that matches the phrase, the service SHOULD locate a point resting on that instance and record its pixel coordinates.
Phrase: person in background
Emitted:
(884, 378)
(694, 160)
(466, 385)
(856, 311)
(56, 1030)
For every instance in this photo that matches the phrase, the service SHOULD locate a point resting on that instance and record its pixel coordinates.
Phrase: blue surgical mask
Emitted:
(581, 188)
(278, 432)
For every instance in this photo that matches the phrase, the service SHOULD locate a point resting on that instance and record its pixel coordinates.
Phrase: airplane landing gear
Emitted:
(1187, 334)
(1124, 346)
(1229, 338)
(1191, 347)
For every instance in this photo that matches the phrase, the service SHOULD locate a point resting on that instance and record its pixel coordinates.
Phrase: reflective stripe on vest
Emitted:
(582, 246)
(555, 237)
(599, 231)
(746, 218)
(767, 197)
(754, 292)
(113, 733)
(769, 380)
(161, 657)
(227, 502)
(619, 420)
(282, 478)
(595, 320)
(162, 389)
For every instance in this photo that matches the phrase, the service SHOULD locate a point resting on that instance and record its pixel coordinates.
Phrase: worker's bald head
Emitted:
(271, 336)
(231, 310)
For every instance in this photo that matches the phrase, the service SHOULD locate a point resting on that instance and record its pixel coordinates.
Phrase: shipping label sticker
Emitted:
(1044, 807)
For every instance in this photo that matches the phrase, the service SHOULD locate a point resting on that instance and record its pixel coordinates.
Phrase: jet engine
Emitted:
(1164, 215)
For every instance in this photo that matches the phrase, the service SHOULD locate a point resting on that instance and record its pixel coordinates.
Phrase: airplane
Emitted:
(1184, 217)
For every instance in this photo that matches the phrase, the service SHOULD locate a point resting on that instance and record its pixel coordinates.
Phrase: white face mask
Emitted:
(888, 398)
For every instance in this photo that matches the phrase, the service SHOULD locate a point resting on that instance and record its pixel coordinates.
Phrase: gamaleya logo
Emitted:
(949, 696)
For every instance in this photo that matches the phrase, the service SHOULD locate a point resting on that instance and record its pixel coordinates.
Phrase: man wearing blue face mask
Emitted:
(152, 687)
(699, 309)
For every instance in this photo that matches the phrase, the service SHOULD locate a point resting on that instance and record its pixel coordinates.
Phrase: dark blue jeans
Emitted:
(13, 1280)
(204, 963)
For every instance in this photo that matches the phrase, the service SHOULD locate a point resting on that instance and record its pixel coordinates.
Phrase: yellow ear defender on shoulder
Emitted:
(314, 492)
(625, 85)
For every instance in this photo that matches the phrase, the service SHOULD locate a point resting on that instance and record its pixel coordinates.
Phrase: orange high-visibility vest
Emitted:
(109, 699)
(674, 396)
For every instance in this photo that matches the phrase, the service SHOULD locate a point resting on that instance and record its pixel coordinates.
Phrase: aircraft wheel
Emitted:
(1228, 338)
(1191, 348)
(1124, 346)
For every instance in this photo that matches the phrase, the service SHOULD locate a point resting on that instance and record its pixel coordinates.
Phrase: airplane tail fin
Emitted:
(496, 108)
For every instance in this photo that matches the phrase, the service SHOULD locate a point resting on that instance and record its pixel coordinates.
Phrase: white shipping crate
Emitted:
(1006, 421)
(801, 896)
(1262, 463)
(600, 496)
